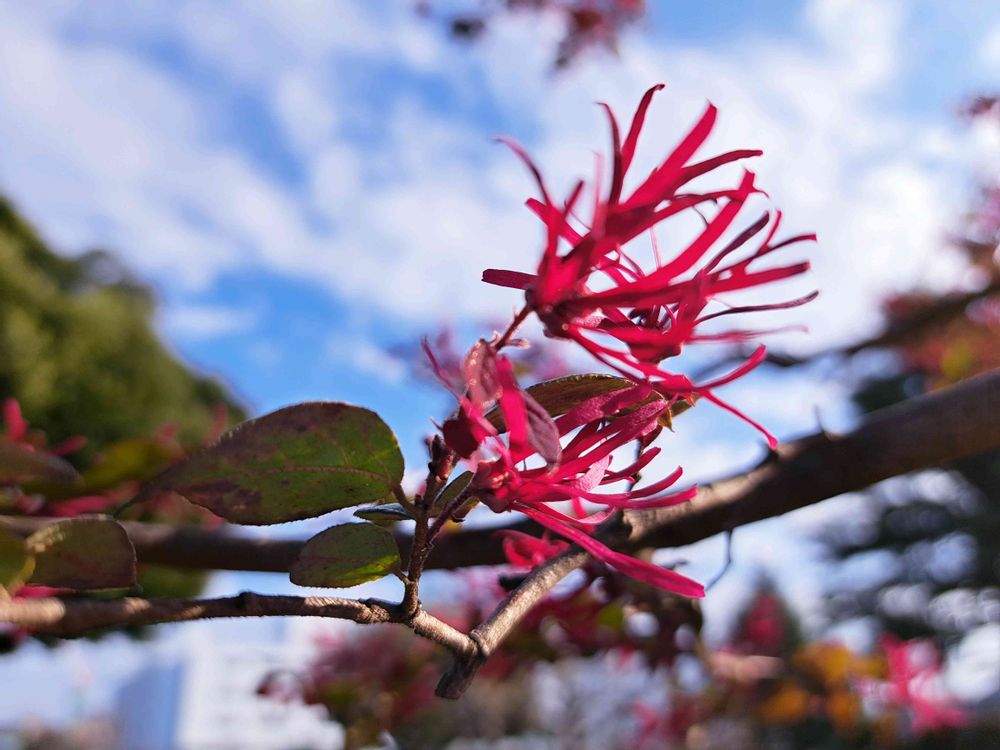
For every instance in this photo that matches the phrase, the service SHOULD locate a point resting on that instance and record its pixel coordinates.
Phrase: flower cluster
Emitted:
(575, 471)
(628, 317)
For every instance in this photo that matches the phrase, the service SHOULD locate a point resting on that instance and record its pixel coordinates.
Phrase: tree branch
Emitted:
(72, 617)
(495, 629)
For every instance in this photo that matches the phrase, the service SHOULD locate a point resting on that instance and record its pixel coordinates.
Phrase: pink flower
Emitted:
(632, 318)
(16, 425)
(913, 669)
(525, 552)
(16, 428)
(573, 471)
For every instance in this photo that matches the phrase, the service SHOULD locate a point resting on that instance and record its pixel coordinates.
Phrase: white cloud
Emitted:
(207, 321)
(109, 147)
(863, 36)
(989, 50)
(366, 358)
(307, 115)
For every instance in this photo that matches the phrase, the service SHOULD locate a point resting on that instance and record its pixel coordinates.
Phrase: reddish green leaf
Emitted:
(298, 462)
(19, 464)
(346, 555)
(560, 395)
(15, 562)
(90, 552)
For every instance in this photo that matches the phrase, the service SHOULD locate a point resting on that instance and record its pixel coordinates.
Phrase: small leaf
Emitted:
(450, 492)
(83, 553)
(666, 419)
(298, 462)
(346, 555)
(19, 464)
(384, 514)
(15, 562)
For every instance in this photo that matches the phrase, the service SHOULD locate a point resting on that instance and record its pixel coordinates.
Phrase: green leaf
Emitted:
(346, 555)
(452, 491)
(384, 514)
(15, 562)
(298, 462)
(90, 552)
(18, 464)
(456, 486)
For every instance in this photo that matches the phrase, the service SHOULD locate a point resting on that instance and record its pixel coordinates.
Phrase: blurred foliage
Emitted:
(106, 481)
(80, 358)
(941, 538)
(764, 686)
(78, 351)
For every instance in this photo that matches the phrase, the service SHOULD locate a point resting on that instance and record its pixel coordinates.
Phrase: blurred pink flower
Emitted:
(914, 668)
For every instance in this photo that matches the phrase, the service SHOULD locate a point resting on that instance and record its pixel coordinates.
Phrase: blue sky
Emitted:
(309, 183)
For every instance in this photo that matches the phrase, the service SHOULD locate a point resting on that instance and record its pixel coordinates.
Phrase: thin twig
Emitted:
(505, 338)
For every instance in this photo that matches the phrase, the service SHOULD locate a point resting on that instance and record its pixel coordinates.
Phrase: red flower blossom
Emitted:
(597, 292)
(571, 472)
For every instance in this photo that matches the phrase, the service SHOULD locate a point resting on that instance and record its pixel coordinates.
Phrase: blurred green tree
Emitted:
(79, 352)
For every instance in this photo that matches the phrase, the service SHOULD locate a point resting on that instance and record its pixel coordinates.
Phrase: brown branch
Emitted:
(920, 433)
(495, 629)
(72, 617)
